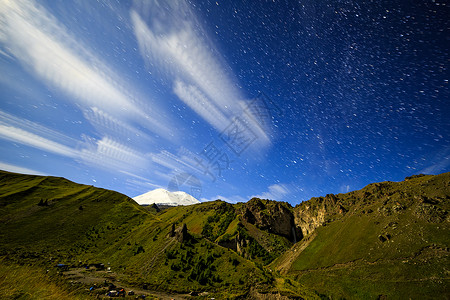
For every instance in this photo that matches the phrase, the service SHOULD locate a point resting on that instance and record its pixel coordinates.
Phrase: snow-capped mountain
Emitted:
(164, 197)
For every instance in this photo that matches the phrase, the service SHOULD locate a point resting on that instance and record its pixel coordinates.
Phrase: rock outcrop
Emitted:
(272, 216)
(308, 218)
(293, 223)
(181, 233)
(316, 212)
(240, 244)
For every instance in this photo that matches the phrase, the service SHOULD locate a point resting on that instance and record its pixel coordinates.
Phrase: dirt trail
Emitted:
(93, 277)
(284, 263)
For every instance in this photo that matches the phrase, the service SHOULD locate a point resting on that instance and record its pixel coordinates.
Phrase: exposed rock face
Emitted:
(272, 216)
(181, 233)
(240, 245)
(293, 223)
(309, 218)
(314, 213)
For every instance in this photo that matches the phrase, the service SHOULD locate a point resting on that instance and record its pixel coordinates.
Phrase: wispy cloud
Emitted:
(104, 153)
(442, 162)
(175, 38)
(140, 186)
(36, 40)
(10, 120)
(138, 183)
(136, 176)
(182, 161)
(42, 45)
(275, 192)
(196, 100)
(18, 169)
(25, 132)
(109, 125)
(21, 136)
(175, 43)
(110, 154)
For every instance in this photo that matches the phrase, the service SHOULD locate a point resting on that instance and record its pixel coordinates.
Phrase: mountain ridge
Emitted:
(389, 239)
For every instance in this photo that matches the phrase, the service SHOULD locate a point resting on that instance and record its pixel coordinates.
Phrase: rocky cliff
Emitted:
(316, 212)
(293, 223)
(272, 216)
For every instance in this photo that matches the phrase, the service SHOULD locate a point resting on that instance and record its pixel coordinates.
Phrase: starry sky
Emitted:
(283, 100)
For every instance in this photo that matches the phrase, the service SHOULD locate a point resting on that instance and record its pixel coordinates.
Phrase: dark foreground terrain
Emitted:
(62, 240)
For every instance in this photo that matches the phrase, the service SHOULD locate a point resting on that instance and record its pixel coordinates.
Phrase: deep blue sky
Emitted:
(282, 100)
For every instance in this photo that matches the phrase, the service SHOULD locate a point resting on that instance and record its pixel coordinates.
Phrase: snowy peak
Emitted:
(164, 197)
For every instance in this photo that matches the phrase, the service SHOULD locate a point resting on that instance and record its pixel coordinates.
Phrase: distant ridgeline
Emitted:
(387, 240)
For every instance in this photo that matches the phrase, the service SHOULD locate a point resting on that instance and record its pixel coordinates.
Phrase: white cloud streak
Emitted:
(32, 36)
(174, 42)
(31, 134)
(9, 120)
(137, 182)
(106, 153)
(43, 46)
(184, 52)
(110, 154)
(176, 162)
(196, 100)
(275, 192)
(141, 185)
(18, 135)
(437, 167)
(109, 125)
(18, 169)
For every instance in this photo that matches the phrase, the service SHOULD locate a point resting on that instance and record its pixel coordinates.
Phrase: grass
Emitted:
(392, 279)
(50, 220)
(348, 258)
(23, 282)
(80, 223)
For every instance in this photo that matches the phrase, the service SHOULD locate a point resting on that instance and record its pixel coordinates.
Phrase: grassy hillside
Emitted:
(47, 220)
(48, 217)
(392, 239)
(24, 282)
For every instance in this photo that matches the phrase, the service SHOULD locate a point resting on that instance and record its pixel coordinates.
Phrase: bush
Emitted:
(218, 223)
(139, 249)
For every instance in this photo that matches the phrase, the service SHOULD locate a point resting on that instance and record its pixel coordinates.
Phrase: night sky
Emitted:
(276, 99)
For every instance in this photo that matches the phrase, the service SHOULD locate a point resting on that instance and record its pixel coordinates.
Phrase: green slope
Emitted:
(75, 220)
(25, 282)
(389, 239)
(393, 240)
(49, 220)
